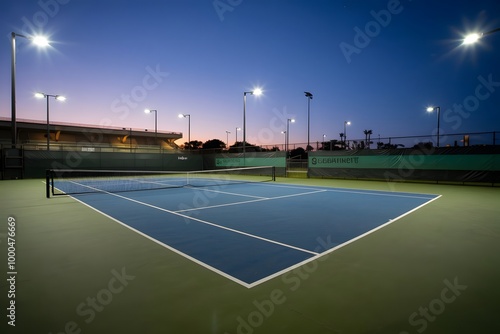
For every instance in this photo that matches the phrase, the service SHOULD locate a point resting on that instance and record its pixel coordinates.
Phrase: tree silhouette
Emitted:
(367, 133)
(238, 148)
(214, 144)
(331, 145)
(298, 153)
(192, 145)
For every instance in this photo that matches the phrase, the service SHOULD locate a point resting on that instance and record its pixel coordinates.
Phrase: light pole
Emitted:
(256, 92)
(38, 40)
(148, 111)
(290, 120)
(345, 132)
(284, 148)
(475, 37)
(227, 139)
(236, 132)
(57, 97)
(431, 109)
(189, 126)
(309, 98)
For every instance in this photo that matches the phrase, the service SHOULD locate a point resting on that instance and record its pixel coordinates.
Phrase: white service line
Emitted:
(353, 191)
(251, 201)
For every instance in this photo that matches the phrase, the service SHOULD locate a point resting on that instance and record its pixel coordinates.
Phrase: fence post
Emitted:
(47, 183)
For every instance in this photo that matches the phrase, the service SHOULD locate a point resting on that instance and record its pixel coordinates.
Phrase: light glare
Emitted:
(257, 92)
(471, 38)
(40, 41)
(60, 98)
(39, 95)
(430, 109)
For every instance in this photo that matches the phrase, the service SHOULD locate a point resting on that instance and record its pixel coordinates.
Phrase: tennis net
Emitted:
(73, 181)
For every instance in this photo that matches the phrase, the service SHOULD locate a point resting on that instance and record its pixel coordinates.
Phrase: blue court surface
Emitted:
(252, 232)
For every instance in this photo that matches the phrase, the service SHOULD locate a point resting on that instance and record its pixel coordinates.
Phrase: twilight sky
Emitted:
(378, 64)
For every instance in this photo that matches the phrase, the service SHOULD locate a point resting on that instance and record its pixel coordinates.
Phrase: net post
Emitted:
(274, 173)
(47, 183)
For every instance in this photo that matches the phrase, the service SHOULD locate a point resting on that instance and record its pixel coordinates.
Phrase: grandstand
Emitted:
(32, 134)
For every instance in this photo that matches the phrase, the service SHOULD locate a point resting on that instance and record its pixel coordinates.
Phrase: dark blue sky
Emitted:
(113, 59)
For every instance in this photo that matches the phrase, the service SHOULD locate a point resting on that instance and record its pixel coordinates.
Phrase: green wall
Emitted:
(449, 164)
(36, 162)
(483, 162)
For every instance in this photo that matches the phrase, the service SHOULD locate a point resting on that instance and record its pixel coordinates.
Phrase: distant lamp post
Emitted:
(46, 96)
(345, 132)
(431, 109)
(236, 132)
(227, 138)
(189, 126)
(284, 147)
(37, 40)
(256, 92)
(148, 111)
(290, 120)
(309, 98)
(475, 37)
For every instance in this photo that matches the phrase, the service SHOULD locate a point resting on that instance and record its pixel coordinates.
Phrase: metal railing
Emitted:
(445, 140)
(454, 139)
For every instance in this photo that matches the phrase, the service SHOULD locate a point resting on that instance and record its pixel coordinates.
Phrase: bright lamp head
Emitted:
(40, 40)
(257, 92)
(471, 38)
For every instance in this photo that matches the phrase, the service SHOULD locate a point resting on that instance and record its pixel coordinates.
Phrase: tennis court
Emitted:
(284, 256)
(244, 228)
